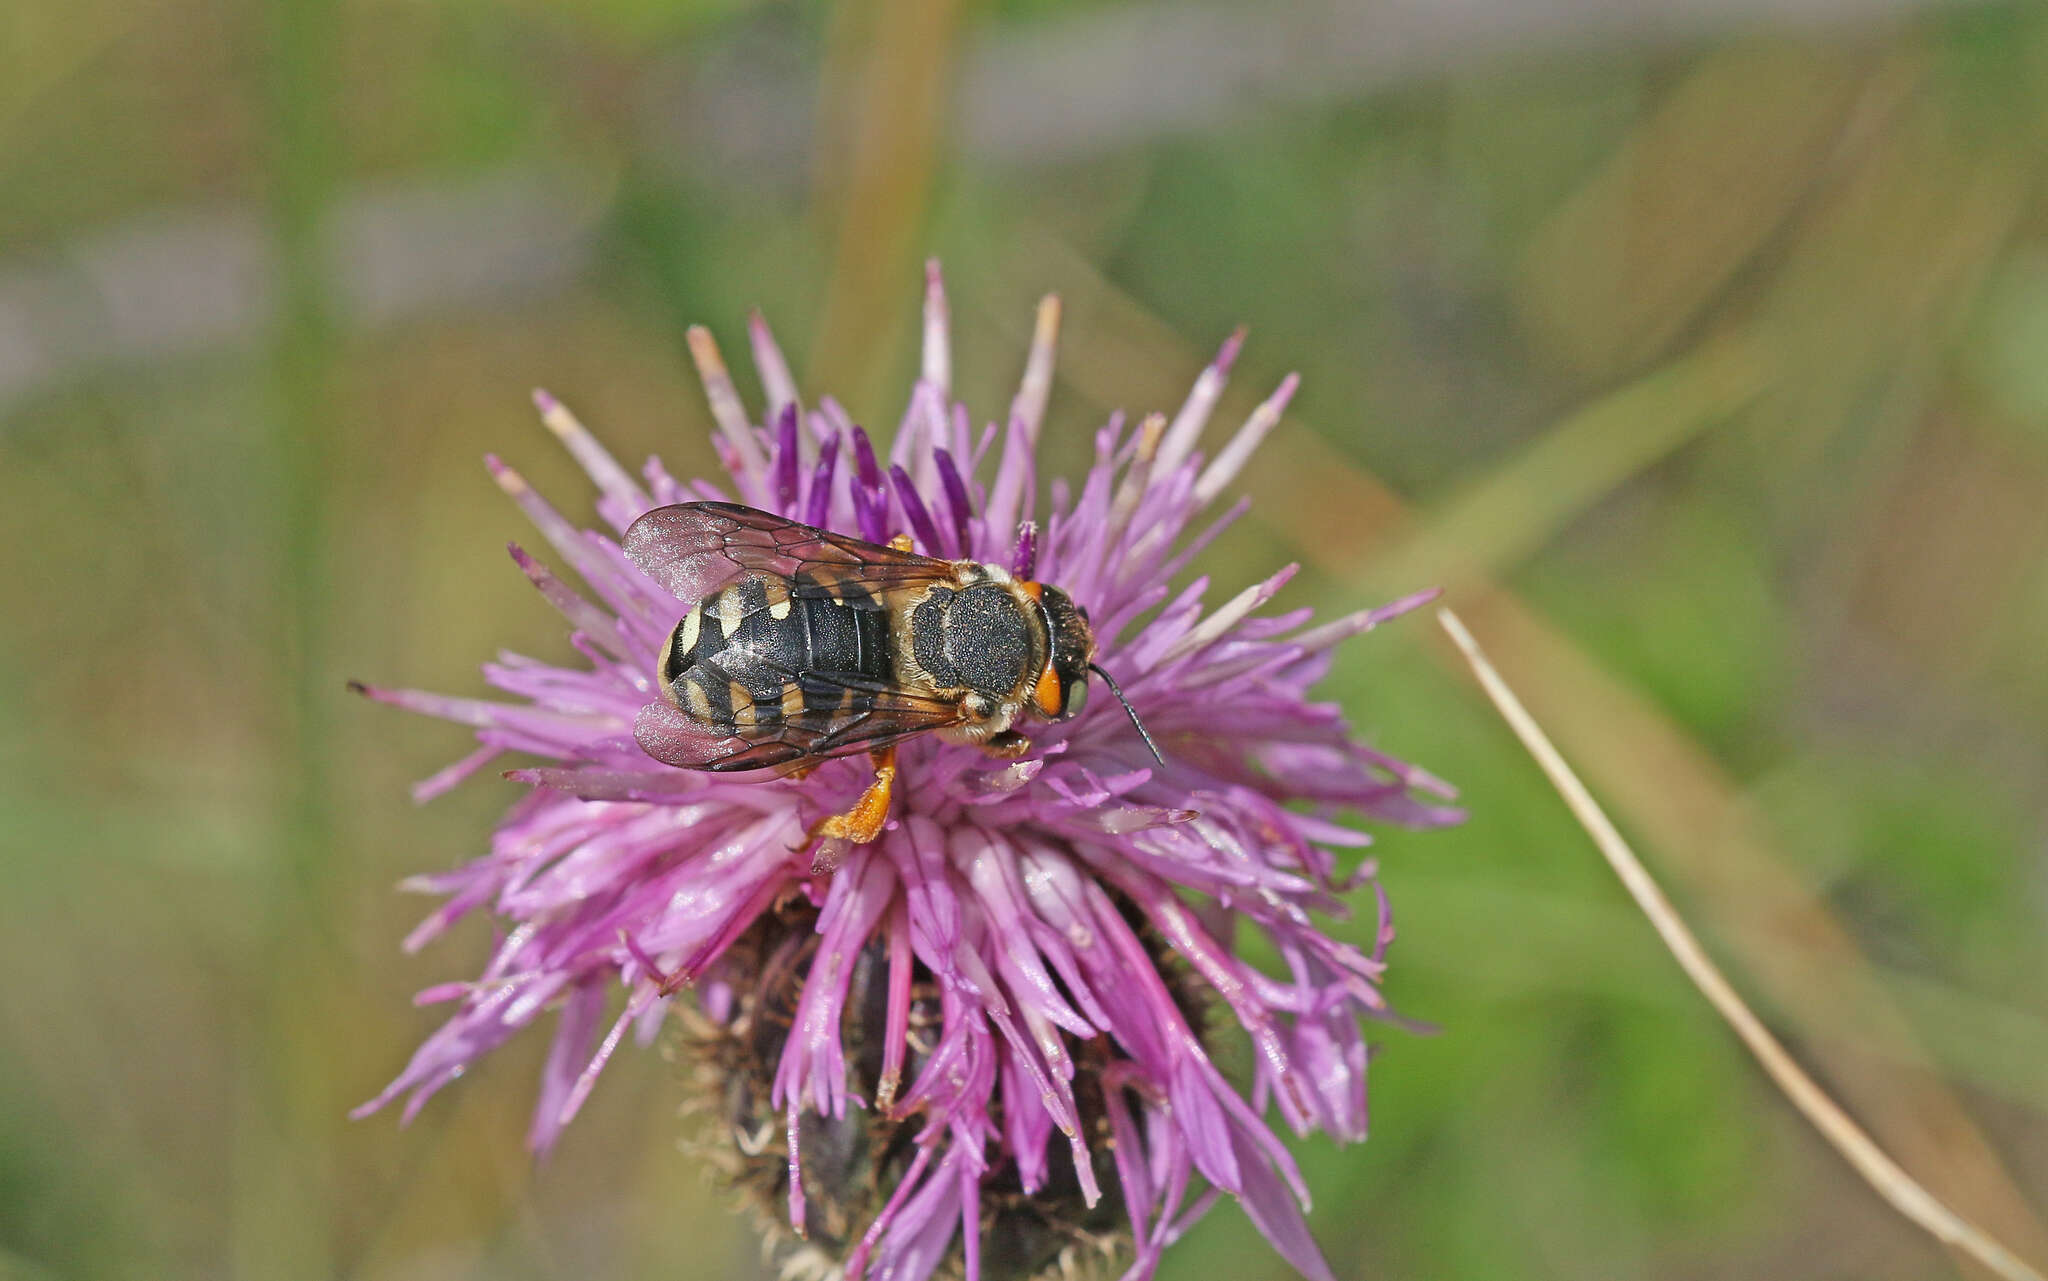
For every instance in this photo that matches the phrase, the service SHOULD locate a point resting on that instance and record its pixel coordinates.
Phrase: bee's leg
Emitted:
(900, 543)
(1007, 746)
(861, 824)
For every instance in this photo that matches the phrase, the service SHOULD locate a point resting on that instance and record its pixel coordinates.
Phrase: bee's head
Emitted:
(1062, 686)
(1061, 690)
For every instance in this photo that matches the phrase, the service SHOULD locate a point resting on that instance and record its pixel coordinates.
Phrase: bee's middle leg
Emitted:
(864, 821)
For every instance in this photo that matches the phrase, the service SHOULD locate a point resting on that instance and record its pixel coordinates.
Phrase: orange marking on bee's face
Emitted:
(1048, 694)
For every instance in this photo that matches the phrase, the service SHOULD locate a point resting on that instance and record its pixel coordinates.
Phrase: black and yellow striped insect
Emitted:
(802, 645)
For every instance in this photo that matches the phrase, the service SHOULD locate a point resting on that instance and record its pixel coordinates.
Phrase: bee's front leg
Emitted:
(1006, 746)
(860, 824)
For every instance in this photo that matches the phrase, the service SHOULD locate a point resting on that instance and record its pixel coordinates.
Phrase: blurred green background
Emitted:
(1700, 349)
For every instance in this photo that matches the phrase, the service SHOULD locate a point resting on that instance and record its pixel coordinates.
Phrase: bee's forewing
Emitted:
(682, 548)
(693, 549)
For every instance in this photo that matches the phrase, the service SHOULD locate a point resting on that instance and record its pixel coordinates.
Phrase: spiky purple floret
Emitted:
(1010, 883)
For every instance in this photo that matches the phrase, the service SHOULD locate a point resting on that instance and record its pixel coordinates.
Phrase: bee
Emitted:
(803, 645)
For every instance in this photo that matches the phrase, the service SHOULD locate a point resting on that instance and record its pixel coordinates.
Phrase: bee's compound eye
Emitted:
(1077, 697)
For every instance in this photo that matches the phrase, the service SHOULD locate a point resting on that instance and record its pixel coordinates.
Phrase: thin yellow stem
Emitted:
(1883, 1174)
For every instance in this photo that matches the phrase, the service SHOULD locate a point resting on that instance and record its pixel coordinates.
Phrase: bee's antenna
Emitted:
(1130, 711)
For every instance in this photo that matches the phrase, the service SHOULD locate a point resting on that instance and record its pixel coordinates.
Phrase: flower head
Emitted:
(983, 1042)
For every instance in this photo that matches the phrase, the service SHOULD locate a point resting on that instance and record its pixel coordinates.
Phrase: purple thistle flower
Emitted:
(983, 1041)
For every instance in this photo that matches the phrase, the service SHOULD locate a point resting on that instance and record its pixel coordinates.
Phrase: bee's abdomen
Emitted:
(754, 654)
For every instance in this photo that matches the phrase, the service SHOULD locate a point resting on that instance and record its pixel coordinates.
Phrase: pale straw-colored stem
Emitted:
(1882, 1173)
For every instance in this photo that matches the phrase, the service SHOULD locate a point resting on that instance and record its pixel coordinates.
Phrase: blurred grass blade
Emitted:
(1515, 509)
(1883, 1174)
(884, 93)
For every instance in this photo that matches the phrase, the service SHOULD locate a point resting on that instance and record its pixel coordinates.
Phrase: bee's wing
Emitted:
(672, 738)
(838, 718)
(692, 549)
(874, 716)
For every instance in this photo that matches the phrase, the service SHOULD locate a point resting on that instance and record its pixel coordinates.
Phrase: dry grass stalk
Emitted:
(1899, 1189)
